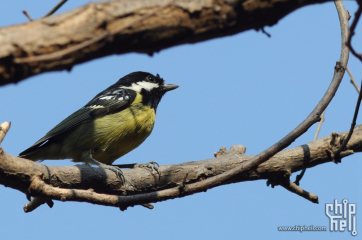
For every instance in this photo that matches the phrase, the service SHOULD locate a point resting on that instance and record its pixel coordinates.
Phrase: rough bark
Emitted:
(145, 26)
(144, 186)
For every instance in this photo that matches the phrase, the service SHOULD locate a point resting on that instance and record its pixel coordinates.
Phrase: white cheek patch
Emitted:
(147, 85)
(134, 87)
(142, 85)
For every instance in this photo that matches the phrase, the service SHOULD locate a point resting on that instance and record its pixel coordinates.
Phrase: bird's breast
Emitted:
(121, 132)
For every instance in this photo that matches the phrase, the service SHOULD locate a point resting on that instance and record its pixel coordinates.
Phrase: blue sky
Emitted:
(244, 89)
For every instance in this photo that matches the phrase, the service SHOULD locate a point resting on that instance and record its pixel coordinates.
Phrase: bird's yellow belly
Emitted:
(109, 137)
(126, 135)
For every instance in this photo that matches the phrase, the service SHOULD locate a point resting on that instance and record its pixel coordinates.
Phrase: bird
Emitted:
(116, 121)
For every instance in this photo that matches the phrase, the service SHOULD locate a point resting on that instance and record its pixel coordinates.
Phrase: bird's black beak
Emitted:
(169, 87)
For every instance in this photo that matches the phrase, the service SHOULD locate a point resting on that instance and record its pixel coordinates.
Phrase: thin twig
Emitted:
(345, 141)
(294, 188)
(27, 15)
(319, 126)
(352, 80)
(359, 56)
(147, 205)
(266, 33)
(300, 176)
(54, 9)
(352, 28)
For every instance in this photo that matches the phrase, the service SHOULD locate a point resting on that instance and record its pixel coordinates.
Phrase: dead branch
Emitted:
(352, 80)
(27, 15)
(82, 183)
(146, 26)
(51, 12)
(357, 16)
(55, 8)
(358, 56)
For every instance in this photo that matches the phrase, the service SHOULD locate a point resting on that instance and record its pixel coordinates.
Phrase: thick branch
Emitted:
(146, 26)
(94, 185)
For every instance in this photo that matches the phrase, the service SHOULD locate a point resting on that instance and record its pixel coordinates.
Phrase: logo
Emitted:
(301, 229)
(342, 216)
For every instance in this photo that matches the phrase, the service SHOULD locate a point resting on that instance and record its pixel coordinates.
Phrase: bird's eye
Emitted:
(150, 78)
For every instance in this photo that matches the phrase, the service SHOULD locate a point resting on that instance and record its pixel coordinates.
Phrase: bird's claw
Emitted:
(114, 169)
(152, 165)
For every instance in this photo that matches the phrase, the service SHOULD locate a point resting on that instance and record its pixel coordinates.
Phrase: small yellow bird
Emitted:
(113, 123)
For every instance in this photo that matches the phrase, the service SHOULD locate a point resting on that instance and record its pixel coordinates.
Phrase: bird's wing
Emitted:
(102, 104)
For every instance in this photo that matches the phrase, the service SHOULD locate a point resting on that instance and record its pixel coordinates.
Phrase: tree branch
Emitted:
(55, 8)
(100, 29)
(294, 188)
(27, 15)
(82, 183)
(352, 80)
(359, 56)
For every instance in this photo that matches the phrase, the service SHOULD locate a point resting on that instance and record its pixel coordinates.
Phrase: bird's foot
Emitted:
(152, 165)
(114, 169)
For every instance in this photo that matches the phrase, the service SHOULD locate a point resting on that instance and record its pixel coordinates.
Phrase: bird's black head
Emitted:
(151, 87)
